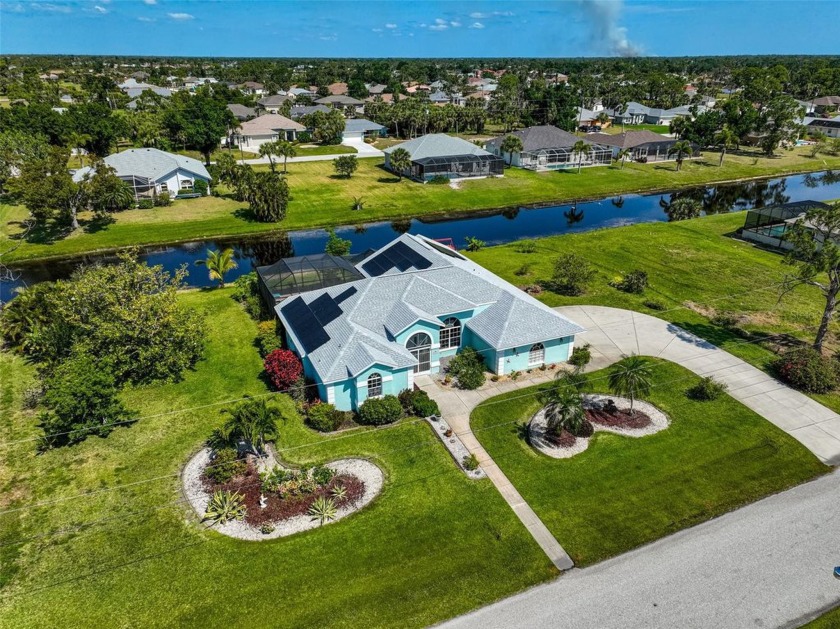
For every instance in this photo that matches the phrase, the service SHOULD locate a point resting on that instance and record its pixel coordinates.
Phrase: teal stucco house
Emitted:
(416, 304)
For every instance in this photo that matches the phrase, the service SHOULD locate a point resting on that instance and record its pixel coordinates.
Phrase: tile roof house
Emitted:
(546, 147)
(151, 171)
(340, 101)
(643, 145)
(416, 304)
(826, 102)
(442, 155)
(268, 128)
(337, 89)
(252, 87)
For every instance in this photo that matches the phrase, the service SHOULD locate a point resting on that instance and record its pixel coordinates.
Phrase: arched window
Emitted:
(450, 334)
(536, 355)
(420, 346)
(374, 385)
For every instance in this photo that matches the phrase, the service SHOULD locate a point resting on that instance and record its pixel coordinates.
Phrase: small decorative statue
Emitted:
(610, 407)
(263, 501)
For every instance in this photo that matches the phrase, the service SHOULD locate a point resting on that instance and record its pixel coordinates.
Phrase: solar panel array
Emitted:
(398, 256)
(300, 317)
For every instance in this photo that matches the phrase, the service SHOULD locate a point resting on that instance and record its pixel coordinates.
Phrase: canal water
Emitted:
(493, 227)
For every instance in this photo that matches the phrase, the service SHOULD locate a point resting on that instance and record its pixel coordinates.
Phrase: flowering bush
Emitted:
(807, 370)
(283, 368)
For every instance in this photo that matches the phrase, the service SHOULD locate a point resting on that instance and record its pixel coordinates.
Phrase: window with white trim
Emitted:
(374, 385)
(536, 355)
(450, 334)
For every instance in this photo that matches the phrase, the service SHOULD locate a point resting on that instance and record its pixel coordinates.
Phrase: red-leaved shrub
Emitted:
(283, 368)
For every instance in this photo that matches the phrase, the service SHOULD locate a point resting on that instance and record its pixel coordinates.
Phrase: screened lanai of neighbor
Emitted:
(441, 155)
(769, 225)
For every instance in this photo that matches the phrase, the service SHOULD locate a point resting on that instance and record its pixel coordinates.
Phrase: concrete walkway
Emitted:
(456, 406)
(613, 333)
(768, 565)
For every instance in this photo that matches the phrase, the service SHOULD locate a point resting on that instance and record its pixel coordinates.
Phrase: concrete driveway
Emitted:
(614, 332)
(766, 565)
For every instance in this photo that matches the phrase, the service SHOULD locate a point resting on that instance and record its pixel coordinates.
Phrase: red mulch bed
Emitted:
(567, 439)
(618, 418)
(278, 509)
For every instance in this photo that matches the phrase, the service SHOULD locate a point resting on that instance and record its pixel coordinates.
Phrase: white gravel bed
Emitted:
(199, 498)
(455, 446)
(536, 427)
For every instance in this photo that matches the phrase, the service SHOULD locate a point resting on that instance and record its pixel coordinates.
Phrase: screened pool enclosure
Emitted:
(768, 225)
(565, 157)
(456, 166)
(291, 276)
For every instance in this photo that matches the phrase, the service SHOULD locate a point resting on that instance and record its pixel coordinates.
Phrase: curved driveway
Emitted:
(613, 332)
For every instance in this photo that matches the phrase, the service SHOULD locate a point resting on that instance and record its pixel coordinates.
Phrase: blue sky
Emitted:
(363, 28)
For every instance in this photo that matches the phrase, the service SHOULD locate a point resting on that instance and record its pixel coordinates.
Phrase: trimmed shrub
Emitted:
(438, 180)
(654, 305)
(470, 463)
(571, 275)
(163, 199)
(379, 411)
(707, 389)
(324, 417)
(246, 290)
(633, 282)
(322, 475)
(468, 368)
(526, 246)
(581, 355)
(267, 339)
(807, 370)
(146, 204)
(225, 465)
(474, 244)
(418, 403)
(283, 368)
(200, 187)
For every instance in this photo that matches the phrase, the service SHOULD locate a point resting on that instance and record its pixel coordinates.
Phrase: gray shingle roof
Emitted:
(367, 314)
(437, 145)
(339, 100)
(241, 111)
(541, 137)
(275, 100)
(629, 139)
(151, 164)
(355, 125)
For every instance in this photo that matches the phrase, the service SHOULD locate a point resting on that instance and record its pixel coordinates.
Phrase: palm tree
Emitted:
(680, 149)
(679, 126)
(726, 138)
(631, 378)
(603, 117)
(580, 149)
(218, 263)
(269, 150)
(400, 161)
(563, 407)
(286, 150)
(622, 156)
(510, 145)
(77, 142)
(253, 421)
(118, 197)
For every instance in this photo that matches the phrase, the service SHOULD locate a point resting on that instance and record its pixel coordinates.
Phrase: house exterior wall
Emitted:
(516, 359)
(174, 182)
(255, 141)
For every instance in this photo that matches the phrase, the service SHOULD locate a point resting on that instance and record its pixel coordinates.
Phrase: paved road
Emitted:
(614, 332)
(766, 565)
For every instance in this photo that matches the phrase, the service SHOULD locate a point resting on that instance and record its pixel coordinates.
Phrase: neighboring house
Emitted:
(133, 89)
(150, 172)
(297, 111)
(414, 306)
(268, 128)
(385, 98)
(357, 129)
(241, 112)
(549, 148)
(645, 146)
(441, 155)
(587, 119)
(769, 225)
(825, 103)
(442, 98)
(66, 99)
(252, 88)
(337, 89)
(299, 92)
(636, 113)
(341, 101)
(274, 103)
(829, 127)
(375, 89)
(633, 113)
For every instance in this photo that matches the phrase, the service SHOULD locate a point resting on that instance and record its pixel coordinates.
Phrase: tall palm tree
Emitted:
(631, 378)
(603, 117)
(510, 145)
(400, 162)
(726, 138)
(681, 149)
(679, 125)
(253, 421)
(286, 150)
(218, 264)
(580, 149)
(622, 156)
(116, 197)
(269, 150)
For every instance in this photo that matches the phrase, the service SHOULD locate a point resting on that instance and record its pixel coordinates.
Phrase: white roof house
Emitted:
(268, 128)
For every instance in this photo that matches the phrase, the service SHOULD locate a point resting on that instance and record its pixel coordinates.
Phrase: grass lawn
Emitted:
(320, 198)
(656, 128)
(215, 154)
(694, 271)
(829, 620)
(431, 546)
(623, 492)
(332, 149)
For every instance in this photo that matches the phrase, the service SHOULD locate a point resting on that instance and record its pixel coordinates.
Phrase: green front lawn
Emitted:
(829, 620)
(320, 199)
(431, 546)
(623, 492)
(330, 149)
(694, 271)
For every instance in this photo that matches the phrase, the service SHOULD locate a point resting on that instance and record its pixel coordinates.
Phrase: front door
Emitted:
(420, 346)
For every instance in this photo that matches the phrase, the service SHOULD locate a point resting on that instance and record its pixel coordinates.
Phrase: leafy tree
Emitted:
(510, 145)
(201, 121)
(77, 141)
(581, 149)
(571, 275)
(267, 195)
(105, 192)
(778, 123)
(29, 322)
(681, 149)
(81, 396)
(18, 148)
(327, 127)
(345, 165)
(815, 255)
(400, 162)
(254, 421)
(725, 139)
(219, 264)
(631, 378)
(286, 150)
(337, 246)
(47, 190)
(97, 124)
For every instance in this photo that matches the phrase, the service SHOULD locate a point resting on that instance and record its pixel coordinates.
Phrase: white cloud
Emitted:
(181, 16)
(100, 9)
(332, 37)
(390, 26)
(50, 8)
(150, 1)
(17, 7)
(479, 16)
(376, 30)
(146, 19)
(476, 25)
(438, 27)
(454, 24)
(504, 13)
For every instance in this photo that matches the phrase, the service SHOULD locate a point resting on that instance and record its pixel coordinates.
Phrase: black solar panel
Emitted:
(325, 309)
(304, 324)
(345, 294)
(398, 256)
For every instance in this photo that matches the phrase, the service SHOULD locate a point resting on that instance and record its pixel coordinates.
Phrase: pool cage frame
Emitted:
(292, 276)
(457, 166)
